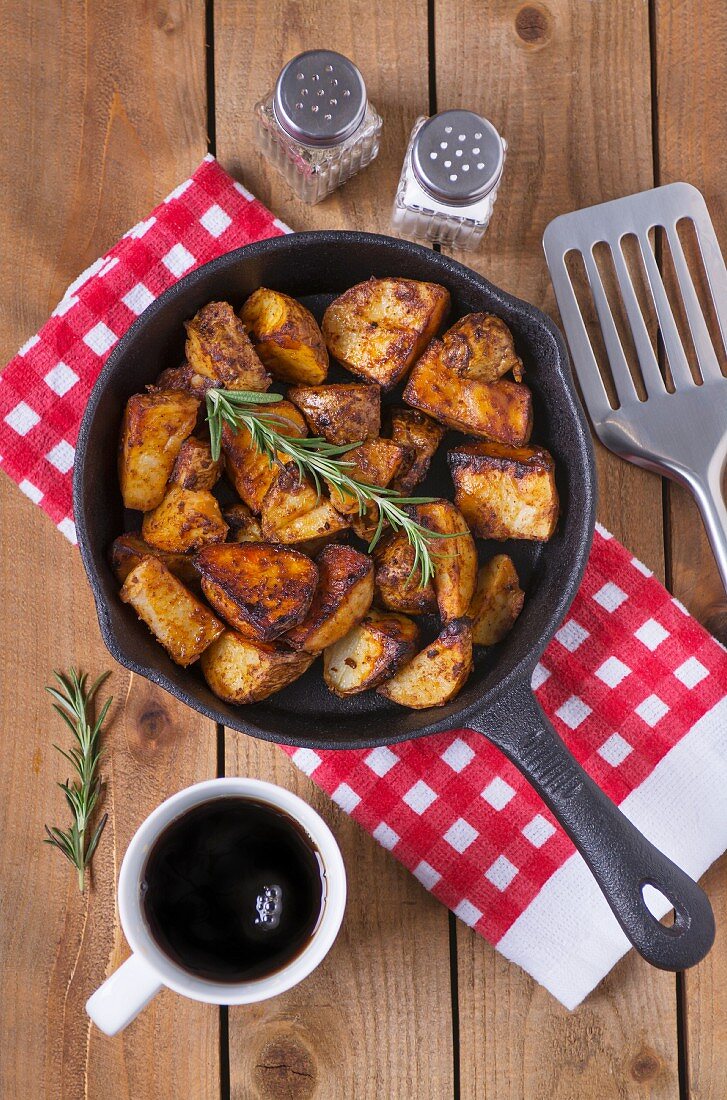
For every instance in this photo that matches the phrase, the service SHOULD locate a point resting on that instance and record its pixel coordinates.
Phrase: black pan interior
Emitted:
(316, 267)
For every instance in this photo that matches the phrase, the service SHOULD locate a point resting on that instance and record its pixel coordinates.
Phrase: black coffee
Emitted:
(232, 890)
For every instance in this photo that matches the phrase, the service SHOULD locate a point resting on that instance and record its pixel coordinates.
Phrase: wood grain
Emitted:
(691, 66)
(568, 86)
(375, 1020)
(102, 110)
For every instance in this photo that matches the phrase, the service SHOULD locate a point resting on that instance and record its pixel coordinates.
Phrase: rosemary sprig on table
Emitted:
(73, 703)
(319, 460)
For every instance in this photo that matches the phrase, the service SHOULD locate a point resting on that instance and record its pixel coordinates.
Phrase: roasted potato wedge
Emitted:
(195, 468)
(220, 353)
(260, 589)
(370, 652)
(127, 551)
(497, 602)
(185, 520)
(505, 492)
(345, 413)
(373, 463)
(481, 346)
(248, 470)
(240, 670)
(501, 411)
(396, 587)
(437, 674)
(154, 427)
(176, 618)
(455, 576)
(419, 436)
(293, 512)
(286, 336)
(343, 596)
(244, 526)
(378, 328)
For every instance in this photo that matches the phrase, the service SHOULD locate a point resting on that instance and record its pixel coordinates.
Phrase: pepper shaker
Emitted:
(317, 126)
(449, 180)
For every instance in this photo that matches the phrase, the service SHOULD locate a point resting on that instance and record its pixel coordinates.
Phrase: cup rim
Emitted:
(258, 989)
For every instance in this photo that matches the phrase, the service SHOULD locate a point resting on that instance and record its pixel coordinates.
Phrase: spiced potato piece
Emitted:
(373, 463)
(260, 589)
(293, 511)
(505, 492)
(195, 467)
(154, 427)
(349, 412)
(127, 551)
(419, 436)
(250, 471)
(396, 586)
(240, 670)
(244, 526)
(176, 618)
(497, 602)
(501, 411)
(455, 559)
(286, 336)
(437, 674)
(219, 351)
(369, 653)
(185, 520)
(378, 328)
(342, 598)
(480, 345)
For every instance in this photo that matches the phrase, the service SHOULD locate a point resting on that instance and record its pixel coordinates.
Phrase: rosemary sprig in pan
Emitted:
(73, 702)
(321, 460)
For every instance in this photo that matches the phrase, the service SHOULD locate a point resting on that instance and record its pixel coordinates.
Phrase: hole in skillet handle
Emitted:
(669, 915)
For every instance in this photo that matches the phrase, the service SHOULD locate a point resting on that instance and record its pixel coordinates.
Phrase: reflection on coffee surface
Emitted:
(232, 890)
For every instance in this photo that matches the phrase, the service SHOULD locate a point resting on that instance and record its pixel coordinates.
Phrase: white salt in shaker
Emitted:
(449, 179)
(317, 126)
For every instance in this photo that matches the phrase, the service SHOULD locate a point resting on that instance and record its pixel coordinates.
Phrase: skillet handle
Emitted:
(621, 860)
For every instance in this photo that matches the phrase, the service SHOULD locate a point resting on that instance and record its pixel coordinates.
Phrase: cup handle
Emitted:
(122, 996)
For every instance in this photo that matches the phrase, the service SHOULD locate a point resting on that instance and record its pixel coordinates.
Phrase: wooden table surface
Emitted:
(104, 107)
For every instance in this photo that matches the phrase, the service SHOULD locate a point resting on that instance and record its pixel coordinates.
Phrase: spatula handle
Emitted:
(710, 499)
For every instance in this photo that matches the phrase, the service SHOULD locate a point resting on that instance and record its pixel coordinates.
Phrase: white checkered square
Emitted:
(652, 710)
(419, 797)
(651, 634)
(572, 635)
(615, 750)
(306, 760)
(603, 532)
(573, 712)
(641, 567)
(460, 835)
(61, 456)
(381, 760)
(215, 220)
(345, 797)
(610, 597)
(386, 836)
(426, 874)
(61, 379)
(65, 305)
(22, 418)
(243, 191)
(68, 528)
(498, 793)
(100, 339)
(501, 873)
(28, 345)
(178, 191)
(178, 260)
(141, 228)
(540, 675)
(467, 912)
(538, 831)
(612, 672)
(458, 755)
(691, 673)
(31, 491)
(138, 298)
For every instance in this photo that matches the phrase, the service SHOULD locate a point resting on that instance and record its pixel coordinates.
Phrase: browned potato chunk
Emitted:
(176, 618)
(494, 410)
(154, 428)
(293, 512)
(369, 653)
(373, 463)
(244, 526)
(248, 470)
(378, 328)
(505, 492)
(286, 337)
(128, 550)
(419, 436)
(396, 586)
(497, 602)
(195, 468)
(185, 520)
(437, 674)
(455, 559)
(259, 589)
(345, 413)
(481, 346)
(240, 670)
(220, 353)
(343, 596)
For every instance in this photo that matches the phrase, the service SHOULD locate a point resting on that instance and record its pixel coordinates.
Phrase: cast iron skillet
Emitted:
(497, 701)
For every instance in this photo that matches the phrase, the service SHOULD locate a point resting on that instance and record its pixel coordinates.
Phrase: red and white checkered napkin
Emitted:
(635, 686)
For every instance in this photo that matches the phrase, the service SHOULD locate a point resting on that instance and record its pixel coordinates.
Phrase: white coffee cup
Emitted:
(122, 996)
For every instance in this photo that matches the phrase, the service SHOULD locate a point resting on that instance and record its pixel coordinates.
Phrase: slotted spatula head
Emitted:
(655, 409)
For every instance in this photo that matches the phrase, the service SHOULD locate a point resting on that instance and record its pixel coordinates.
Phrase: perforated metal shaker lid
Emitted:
(320, 98)
(457, 156)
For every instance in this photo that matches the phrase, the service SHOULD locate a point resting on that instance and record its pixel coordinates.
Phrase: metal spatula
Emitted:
(683, 433)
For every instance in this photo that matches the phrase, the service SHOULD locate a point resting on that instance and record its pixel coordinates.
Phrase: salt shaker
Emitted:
(317, 126)
(449, 180)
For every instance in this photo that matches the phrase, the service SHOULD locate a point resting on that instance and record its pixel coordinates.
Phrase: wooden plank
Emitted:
(375, 1020)
(568, 86)
(103, 113)
(691, 70)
